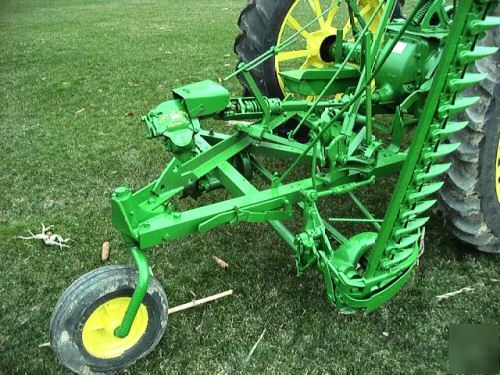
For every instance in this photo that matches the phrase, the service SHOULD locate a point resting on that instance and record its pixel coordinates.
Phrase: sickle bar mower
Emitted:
(410, 69)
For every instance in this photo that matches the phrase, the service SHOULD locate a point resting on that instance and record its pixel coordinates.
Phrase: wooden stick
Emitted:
(199, 302)
(451, 294)
(255, 345)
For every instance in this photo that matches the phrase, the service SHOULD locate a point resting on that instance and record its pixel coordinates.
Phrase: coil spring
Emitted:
(248, 106)
(419, 16)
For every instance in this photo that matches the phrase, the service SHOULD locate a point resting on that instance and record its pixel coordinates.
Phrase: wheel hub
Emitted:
(315, 45)
(98, 334)
(314, 53)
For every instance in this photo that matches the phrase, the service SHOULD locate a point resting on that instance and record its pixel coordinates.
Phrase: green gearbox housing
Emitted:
(173, 119)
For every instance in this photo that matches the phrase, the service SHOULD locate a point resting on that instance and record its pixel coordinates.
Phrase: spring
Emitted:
(250, 106)
(419, 16)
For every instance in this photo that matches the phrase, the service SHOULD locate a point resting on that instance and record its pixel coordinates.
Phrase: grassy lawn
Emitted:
(74, 77)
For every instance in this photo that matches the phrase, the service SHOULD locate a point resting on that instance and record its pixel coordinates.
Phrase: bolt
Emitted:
(310, 195)
(122, 192)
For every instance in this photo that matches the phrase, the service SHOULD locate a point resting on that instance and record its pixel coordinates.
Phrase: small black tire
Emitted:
(83, 297)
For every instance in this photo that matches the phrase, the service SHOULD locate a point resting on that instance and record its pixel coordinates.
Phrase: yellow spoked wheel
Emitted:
(308, 52)
(98, 334)
(265, 23)
(82, 328)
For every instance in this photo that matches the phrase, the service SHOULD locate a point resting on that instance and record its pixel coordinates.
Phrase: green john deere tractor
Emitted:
(353, 94)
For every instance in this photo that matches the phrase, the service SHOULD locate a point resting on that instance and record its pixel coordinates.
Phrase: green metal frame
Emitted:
(418, 67)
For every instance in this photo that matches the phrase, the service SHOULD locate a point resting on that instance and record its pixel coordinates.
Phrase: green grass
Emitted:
(118, 59)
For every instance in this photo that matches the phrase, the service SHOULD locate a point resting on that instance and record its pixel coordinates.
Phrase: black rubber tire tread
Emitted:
(79, 297)
(468, 198)
(259, 25)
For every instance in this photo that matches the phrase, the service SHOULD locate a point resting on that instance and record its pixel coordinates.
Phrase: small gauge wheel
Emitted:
(83, 324)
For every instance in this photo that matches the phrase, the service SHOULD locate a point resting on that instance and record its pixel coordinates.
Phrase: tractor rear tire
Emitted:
(470, 198)
(259, 24)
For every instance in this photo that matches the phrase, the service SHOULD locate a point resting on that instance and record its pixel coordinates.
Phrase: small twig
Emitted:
(451, 294)
(422, 243)
(422, 246)
(255, 345)
(467, 289)
(44, 345)
(199, 302)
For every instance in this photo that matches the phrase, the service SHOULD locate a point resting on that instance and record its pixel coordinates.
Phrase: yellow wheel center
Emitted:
(309, 54)
(98, 335)
(314, 43)
(497, 174)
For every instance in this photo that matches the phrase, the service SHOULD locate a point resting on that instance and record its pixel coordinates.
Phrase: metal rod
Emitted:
(354, 220)
(355, 97)
(313, 166)
(353, 8)
(355, 30)
(363, 83)
(139, 292)
(339, 237)
(283, 232)
(364, 210)
(337, 73)
(368, 101)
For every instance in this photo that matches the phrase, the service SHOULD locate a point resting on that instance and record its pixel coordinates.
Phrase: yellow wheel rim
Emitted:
(497, 174)
(309, 54)
(98, 335)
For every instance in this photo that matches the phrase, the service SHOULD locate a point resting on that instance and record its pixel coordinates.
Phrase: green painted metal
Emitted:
(313, 81)
(411, 70)
(203, 98)
(408, 182)
(140, 291)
